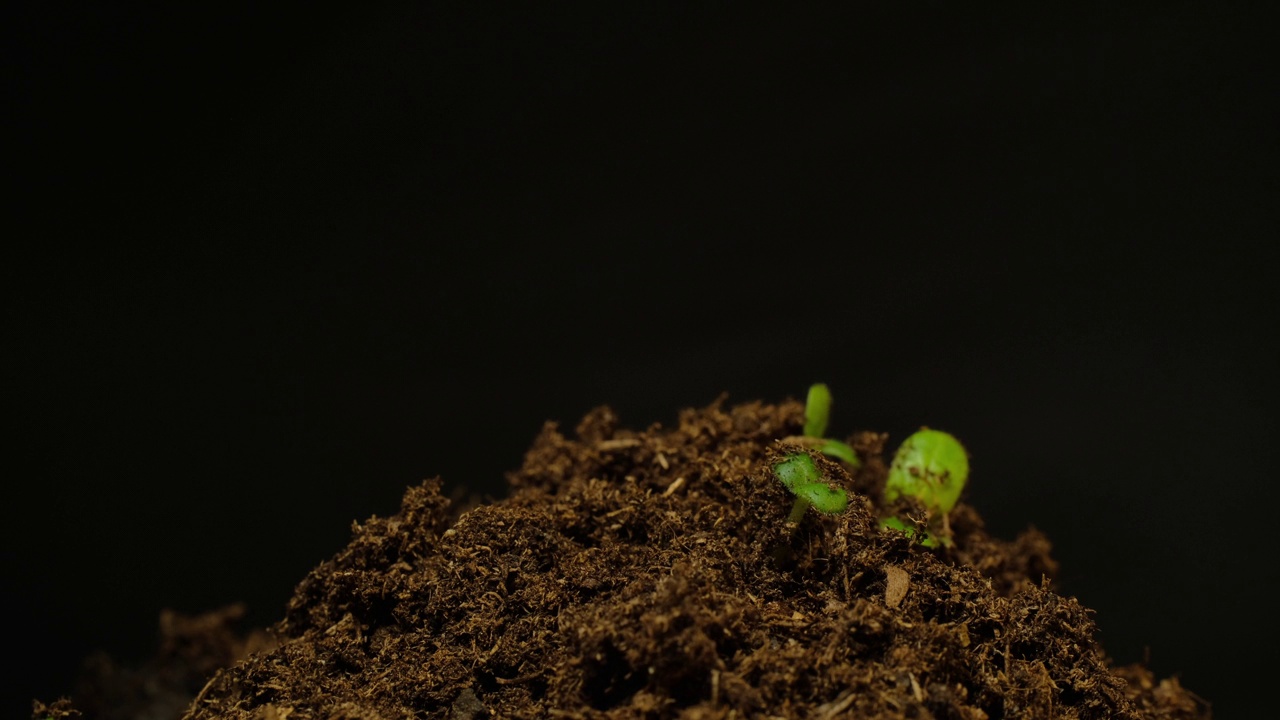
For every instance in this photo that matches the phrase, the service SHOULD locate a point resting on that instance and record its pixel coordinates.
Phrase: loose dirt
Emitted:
(651, 574)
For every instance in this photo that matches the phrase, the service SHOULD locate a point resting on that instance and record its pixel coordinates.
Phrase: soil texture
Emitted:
(652, 574)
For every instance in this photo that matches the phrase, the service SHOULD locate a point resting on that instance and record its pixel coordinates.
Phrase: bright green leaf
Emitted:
(931, 466)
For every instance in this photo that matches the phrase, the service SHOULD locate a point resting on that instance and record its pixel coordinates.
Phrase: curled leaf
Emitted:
(932, 467)
(817, 410)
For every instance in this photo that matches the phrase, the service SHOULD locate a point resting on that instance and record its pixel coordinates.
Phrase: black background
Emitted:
(271, 267)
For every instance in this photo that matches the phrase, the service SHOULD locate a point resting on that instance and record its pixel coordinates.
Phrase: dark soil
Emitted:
(652, 575)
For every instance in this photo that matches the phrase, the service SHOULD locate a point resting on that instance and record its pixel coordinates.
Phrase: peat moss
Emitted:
(650, 574)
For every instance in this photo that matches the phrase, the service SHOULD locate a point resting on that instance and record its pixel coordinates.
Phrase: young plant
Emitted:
(932, 467)
(817, 411)
(801, 476)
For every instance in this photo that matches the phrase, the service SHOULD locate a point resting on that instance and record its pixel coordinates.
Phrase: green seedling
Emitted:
(798, 472)
(932, 467)
(801, 476)
(817, 411)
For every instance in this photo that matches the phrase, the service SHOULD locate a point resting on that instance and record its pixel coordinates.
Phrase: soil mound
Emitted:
(651, 574)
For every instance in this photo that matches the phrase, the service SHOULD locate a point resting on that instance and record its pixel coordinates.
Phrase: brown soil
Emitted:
(652, 575)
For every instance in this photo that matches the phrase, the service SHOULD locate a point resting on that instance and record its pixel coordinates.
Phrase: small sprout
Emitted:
(817, 411)
(801, 476)
(932, 467)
